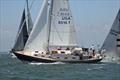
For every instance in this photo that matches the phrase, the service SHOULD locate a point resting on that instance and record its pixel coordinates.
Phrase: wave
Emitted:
(46, 63)
(96, 68)
(97, 64)
(118, 62)
(111, 57)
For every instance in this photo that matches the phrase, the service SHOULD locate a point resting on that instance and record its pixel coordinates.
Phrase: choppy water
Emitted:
(13, 69)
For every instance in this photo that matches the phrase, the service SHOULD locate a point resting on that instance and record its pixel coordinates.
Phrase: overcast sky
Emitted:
(93, 19)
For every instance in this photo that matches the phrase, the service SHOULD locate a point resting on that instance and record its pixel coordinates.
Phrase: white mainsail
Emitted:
(62, 26)
(37, 40)
(110, 43)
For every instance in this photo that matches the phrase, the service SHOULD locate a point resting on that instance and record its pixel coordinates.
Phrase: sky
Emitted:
(93, 20)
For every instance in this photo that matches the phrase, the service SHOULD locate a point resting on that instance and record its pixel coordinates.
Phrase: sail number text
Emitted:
(64, 15)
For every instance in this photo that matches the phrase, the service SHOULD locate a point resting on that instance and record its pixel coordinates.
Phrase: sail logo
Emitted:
(64, 16)
(64, 9)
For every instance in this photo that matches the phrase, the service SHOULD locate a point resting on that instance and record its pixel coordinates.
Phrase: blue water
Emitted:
(13, 69)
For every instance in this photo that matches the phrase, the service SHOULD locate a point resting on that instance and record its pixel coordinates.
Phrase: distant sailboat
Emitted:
(112, 41)
(53, 37)
(24, 30)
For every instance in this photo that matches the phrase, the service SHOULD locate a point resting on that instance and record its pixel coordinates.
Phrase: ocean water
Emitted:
(14, 69)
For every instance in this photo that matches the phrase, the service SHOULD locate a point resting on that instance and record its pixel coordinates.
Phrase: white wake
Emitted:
(46, 63)
(111, 57)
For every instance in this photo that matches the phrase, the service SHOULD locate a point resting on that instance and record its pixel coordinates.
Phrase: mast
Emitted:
(49, 24)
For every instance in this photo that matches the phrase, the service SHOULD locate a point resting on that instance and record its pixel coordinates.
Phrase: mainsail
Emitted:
(112, 41)
(22, 35)
(62, 26)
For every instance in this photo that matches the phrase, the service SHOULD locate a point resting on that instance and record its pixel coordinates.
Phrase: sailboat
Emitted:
(24, 30)
(112, 41)
(53, 37)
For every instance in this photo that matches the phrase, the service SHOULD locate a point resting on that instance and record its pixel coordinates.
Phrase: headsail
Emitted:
(37, 40)
(29, 19)
(62, 26)
(111, 41)
(22, 35)
(24, 30)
